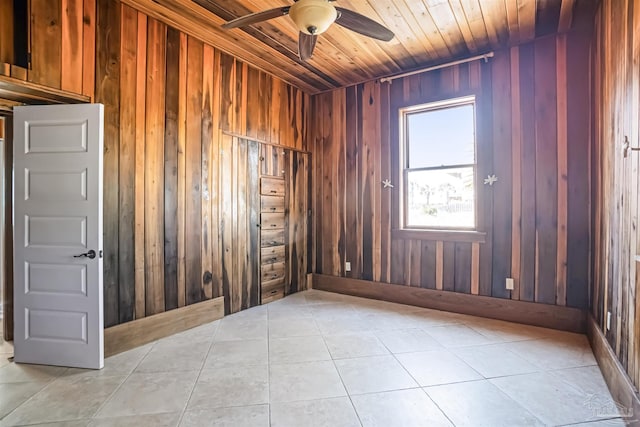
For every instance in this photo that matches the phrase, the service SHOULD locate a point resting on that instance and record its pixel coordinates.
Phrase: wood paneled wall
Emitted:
(616, 274)
(62, 44)
(169, 175)
(533, 132)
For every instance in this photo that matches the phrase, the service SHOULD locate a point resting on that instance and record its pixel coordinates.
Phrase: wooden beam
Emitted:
(545, 315)
(129, 335)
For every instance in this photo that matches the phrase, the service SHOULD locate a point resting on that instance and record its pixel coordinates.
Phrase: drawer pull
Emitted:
(275, 291)
(273, 191)
(274, 225)
(274, 259)
(273, 209)
(274, 242)
(274, 276)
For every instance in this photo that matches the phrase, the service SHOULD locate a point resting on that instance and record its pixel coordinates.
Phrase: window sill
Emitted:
(443, 235)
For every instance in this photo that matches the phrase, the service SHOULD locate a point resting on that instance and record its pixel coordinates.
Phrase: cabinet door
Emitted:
(239, 220)
(298, 237)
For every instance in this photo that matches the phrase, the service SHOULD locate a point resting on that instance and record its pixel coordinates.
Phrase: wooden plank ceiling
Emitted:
(427, 32)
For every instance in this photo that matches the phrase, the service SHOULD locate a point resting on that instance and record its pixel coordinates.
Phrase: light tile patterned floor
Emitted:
(322, 359)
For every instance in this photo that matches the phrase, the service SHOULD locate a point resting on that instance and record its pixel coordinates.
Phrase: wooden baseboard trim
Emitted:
(132, 334)
(545, 315)
(620, 386)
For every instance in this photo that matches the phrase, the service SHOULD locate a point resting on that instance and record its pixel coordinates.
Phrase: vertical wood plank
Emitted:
(214, 231)
(397, 261)
(385, 173)
(241, 282)
(561, 102)
(253, 219)
(578, 155)
(226, 218)
(171, 135)
(369, 137)
(516, 166)
(462, 277)
(7, 54)
(546, 169)
(139, 186)
(182, 171)
(108, 93)
(439, 265)
(527, 174)
(46, 41)
(71, 48)
(126, 161)
(338, 133)
(352, 207)
(485, 167)
(88, 48)
(475, 268)
(193, 165)
(327, 187)
(415, 258)
(448, 266)
(227, 87)
(502, 216)
(428, 265)
(154, 166)
(252, 108)
(206, 183)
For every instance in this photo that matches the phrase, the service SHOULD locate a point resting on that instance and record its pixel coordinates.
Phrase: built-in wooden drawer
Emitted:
(272, 221)
(272, 204)
(269, 272)
(271, 237)
(272, 254)
(272, 295)
(272, 284)
(272, 186)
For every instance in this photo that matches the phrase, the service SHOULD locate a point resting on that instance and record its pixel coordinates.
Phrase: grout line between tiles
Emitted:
(104, 402)
(204, 361)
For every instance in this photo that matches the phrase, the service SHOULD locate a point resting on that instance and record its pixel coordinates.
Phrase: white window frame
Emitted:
(404, 159)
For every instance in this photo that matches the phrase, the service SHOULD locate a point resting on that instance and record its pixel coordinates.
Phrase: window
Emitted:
(438, 152)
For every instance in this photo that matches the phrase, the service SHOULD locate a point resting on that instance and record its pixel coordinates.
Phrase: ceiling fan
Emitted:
(313, 17)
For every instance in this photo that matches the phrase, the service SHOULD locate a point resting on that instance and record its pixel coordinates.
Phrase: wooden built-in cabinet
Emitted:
(264, 199)
(284, 213)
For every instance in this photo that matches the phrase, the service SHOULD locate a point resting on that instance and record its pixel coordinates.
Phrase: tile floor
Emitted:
(322, 359)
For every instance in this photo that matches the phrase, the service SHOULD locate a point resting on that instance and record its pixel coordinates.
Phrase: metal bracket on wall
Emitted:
(627, 146)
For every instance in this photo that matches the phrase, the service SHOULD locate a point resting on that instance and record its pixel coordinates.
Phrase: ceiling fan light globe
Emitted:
(313, 16)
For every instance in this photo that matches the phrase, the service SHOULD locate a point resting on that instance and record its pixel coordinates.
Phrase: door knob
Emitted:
(91, 255)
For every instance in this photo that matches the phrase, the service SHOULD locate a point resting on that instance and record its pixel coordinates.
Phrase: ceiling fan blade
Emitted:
(252, 18)
(363, 25)
(306, 44)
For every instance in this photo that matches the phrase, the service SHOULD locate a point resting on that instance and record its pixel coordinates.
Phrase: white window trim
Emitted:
(402, 151)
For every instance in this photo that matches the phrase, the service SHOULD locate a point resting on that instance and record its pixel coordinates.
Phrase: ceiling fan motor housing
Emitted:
(313, 16)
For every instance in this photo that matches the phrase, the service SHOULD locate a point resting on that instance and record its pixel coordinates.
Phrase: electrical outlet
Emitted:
(509, 283)
(608, 320)
(347, 266)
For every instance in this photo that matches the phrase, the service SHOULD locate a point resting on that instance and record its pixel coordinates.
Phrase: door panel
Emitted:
(58, 222)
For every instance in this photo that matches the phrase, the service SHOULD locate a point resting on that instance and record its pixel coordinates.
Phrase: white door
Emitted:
(58, 235)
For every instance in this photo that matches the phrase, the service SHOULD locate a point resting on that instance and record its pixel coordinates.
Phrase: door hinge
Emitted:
(29, 60)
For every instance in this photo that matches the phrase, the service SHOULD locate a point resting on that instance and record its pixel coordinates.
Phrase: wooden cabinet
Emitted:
(284, 226)
(263, 222)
